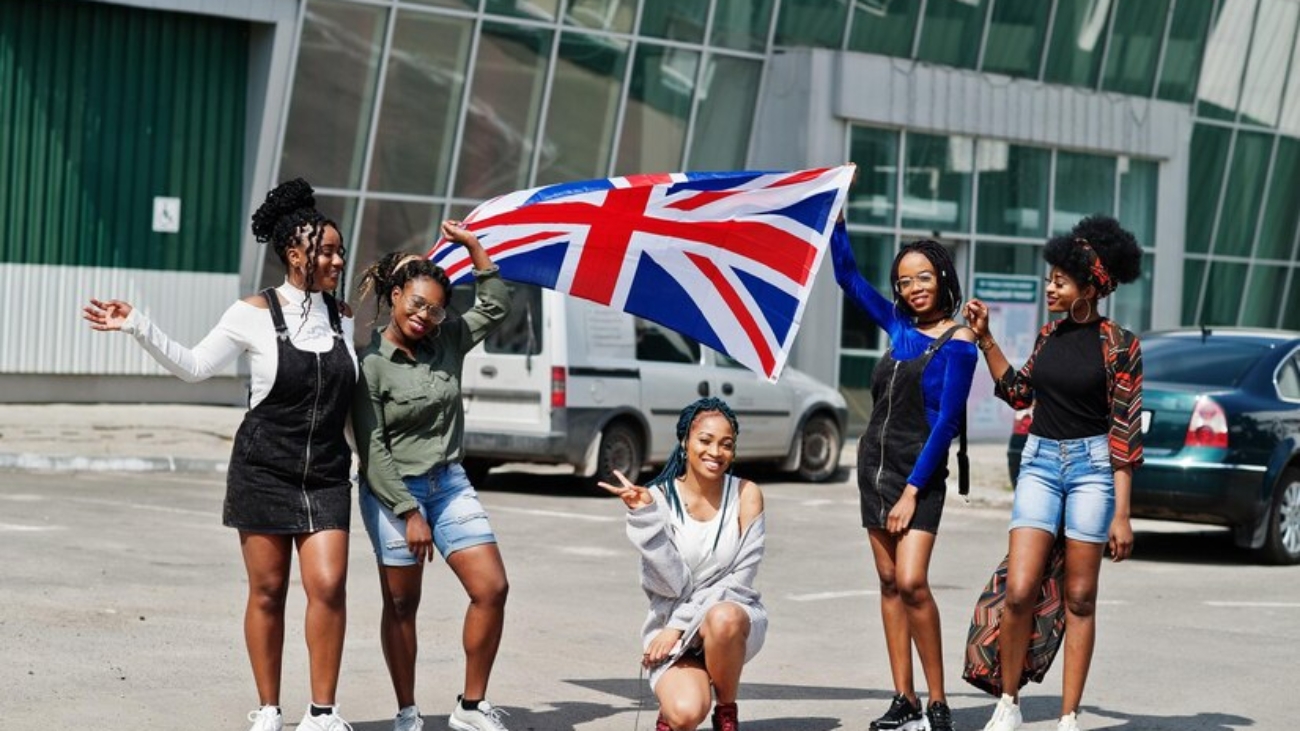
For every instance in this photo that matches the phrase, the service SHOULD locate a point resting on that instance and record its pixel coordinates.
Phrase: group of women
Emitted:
(699, 529)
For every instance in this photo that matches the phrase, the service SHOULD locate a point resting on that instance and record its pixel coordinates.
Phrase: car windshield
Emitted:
(1210, 362)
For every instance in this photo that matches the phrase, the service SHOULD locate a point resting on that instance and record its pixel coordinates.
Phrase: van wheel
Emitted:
(819, 454)
(1282, 545)
(620, 449)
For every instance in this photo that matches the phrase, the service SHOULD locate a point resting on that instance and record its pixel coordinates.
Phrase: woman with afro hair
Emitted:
(1084, 382)
(415, 495)
(288, 481)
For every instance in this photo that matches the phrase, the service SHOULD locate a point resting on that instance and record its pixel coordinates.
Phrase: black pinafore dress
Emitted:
(896, 433)
(290, 464)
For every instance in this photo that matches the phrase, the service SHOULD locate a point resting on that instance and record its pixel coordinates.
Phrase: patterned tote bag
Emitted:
(983, 667)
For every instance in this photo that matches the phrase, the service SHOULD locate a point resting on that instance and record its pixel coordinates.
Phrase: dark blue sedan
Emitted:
(1221, 423)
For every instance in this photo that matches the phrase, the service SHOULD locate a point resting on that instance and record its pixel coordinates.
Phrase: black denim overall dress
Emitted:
(896, 433)
(290, 463)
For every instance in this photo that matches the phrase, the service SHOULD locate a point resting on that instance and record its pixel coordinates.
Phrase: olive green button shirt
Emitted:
(407, 414)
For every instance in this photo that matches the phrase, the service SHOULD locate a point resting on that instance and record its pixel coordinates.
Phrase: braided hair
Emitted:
(676, 465)
(1097, 239)
(393, 271)
(287, 218)
(944, 269)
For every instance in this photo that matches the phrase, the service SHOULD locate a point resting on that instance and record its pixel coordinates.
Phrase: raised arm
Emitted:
(1014, 387)
(865, 296)
(217, 350)
(491, 296)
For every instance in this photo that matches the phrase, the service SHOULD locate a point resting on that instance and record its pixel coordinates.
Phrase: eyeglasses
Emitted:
(433, 311)
(924, 279)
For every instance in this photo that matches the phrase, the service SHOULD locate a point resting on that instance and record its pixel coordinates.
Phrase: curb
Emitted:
(29, 462)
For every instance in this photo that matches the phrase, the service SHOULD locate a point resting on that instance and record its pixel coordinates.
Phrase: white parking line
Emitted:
(556, 514)
(1265, 605)
(821, 596)
(13, 528)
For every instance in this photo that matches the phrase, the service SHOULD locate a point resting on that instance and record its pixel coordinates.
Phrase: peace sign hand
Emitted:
(633, 496)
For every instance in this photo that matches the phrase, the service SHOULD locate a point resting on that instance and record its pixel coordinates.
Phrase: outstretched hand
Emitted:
(633, 496)
(106, 315)
(455, 231)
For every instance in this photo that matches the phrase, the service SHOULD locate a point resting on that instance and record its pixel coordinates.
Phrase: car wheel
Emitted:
(819, 453)
(620, 449)
(1283, 542)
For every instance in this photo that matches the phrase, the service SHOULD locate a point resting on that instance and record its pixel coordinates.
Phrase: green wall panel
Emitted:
(104, 107)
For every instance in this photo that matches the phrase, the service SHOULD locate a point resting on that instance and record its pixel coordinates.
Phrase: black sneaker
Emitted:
(940, 716)
(901, 716)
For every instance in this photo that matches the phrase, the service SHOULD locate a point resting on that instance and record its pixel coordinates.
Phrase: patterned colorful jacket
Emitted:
(1123, 357)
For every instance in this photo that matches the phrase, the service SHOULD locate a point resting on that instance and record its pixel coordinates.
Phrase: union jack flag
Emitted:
(727, 258)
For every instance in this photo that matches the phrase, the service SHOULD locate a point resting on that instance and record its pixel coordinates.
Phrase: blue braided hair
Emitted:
(676, 465)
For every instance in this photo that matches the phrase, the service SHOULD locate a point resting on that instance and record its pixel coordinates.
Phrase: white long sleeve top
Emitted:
(243, 328)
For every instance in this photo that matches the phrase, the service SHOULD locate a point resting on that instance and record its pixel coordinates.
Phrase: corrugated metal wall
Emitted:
(104, 107)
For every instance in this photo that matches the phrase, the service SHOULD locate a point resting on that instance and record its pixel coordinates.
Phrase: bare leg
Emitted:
(267, 559)
(684, 694)
(1030, 548)
(401, 587)
(324, 565)
(1082, 567)
(483, 575)
(893, 614)
(912, 567)
(725, 631)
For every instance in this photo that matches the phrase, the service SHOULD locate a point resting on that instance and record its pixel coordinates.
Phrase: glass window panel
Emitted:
(884, 27)
(995, 258)
(1085, 184)
(1281, 212)
(742, 24)
(658, 105)
(678, 20)
(1130, 306)
(531, 9)
(875, 255)
(458, 4)
(1015, 43)
(1209, 158)
(818, 23)
(1225, 57)
(855, 384)
(937, 183)
(1193, 272)
(1135, 46)
(1078, 40)
(333, 93)
(583, 111)
(1270, 49)
(1241, 199)
(871, 199)
(1013, 188)
(1223, 293)
(1290, 119)
(951, 32)
(505, 104)
(654, 342)
(341, 211)
(1183, 50)
(389, 226)
(1291, 313)
(1263, 296)
(1139, 186)
(725, 113)
(613, 15)
(423, 88)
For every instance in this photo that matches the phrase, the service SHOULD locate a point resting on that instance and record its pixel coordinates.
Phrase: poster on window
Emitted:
(1014, 320)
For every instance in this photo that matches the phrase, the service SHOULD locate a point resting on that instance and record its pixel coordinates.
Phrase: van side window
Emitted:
(727, 361)
(657, 343)
(1288, 380)
(521, 332)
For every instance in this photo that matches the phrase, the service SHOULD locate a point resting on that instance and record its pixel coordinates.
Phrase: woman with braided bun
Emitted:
(415, 496)
(287, 485)
(700, 532)
(919, 391)
(1084, 382)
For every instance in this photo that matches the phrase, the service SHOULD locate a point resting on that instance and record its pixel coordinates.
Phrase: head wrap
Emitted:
(1098, 274)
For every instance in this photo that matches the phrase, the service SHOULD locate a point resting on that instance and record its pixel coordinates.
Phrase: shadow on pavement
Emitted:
(1211, 546)
(634, 690)
(1048, 707)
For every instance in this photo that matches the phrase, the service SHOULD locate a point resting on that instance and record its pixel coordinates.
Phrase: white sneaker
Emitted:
(1068, 722)
(1006, 715)
(486, 718)
(328, 722)
(408, 719)
(266, 718)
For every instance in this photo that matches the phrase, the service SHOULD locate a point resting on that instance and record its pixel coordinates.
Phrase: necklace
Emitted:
(928, 323)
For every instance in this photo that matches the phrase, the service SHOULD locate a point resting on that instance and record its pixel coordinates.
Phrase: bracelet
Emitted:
(985, 344)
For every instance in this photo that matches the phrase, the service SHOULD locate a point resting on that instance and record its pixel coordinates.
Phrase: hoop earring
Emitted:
(1086, 317)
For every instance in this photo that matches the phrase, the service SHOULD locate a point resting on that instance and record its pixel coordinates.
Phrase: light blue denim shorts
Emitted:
(1068, 481)
(446, 499)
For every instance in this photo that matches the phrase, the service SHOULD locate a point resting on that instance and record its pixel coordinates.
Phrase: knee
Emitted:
(490, 594)
(1021, 599)
(331, 593)
(403, 606)
(914, 592)
(268, 596)
(684, 714)
(726, 621)
(889, 585)
(1081, 604)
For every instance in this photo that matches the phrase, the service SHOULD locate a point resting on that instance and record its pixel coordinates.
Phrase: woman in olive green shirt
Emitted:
(415, 497)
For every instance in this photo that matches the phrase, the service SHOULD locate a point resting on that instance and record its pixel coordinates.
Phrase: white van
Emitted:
(570, 382)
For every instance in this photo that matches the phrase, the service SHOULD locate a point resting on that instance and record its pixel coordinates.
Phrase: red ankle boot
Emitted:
(725, 718)
(662, 725)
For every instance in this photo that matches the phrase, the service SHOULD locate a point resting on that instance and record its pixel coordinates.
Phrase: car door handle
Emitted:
(703, 388)
(727, 389)
(488, 371)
